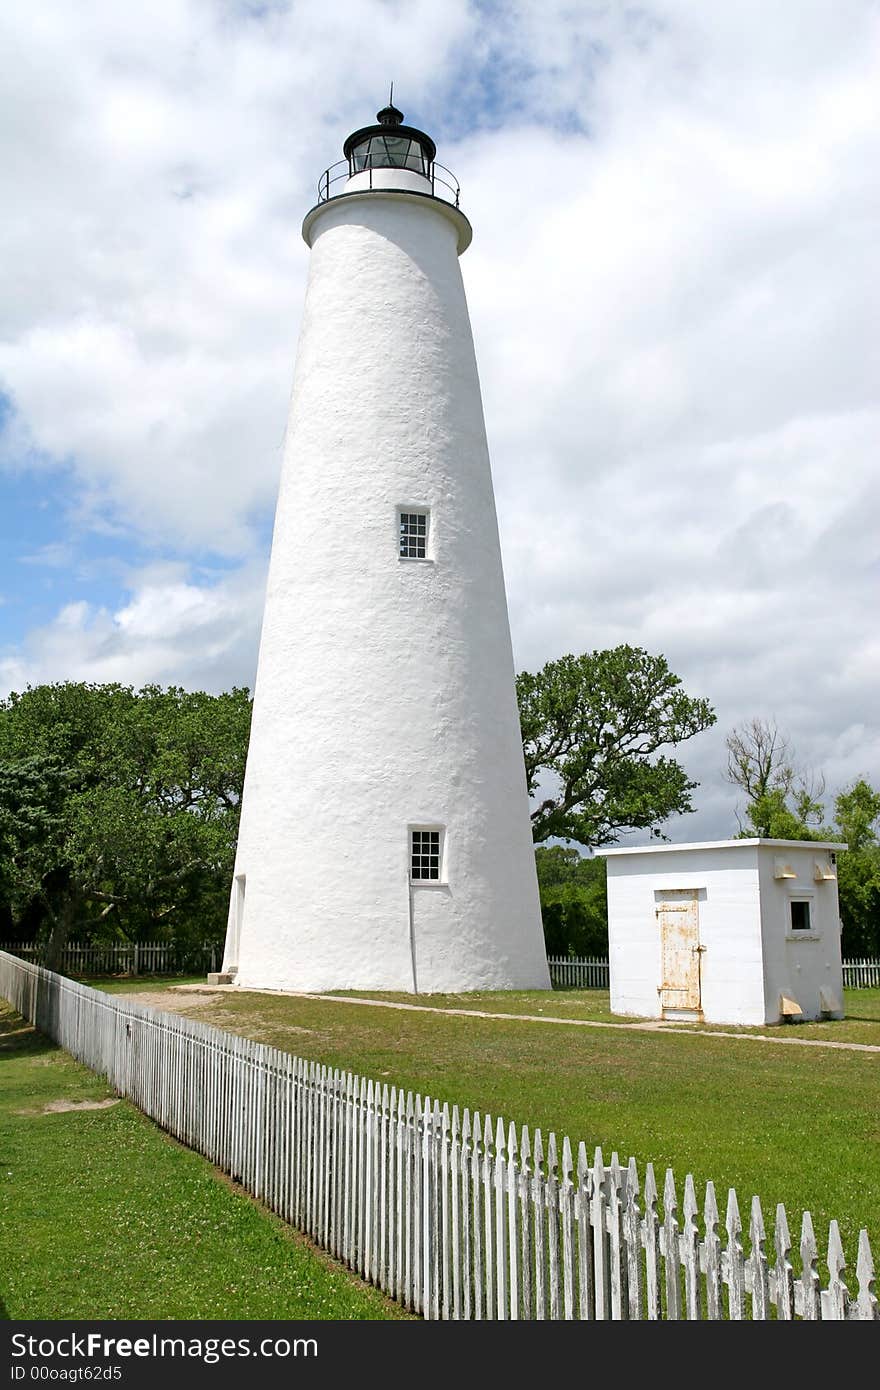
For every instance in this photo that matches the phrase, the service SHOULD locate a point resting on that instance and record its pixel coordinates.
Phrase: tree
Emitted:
(783, 802)
(33, 868)
(119, 809)
(857, 819)
(574, 903)
(592, 728)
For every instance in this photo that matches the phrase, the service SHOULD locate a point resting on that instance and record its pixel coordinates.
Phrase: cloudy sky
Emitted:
(674, 288)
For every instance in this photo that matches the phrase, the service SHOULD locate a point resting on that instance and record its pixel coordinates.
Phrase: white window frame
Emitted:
(798, 934)
(415, 509)
(423, 827)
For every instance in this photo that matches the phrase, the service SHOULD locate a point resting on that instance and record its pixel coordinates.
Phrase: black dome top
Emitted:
(389, 125)
(389, 115)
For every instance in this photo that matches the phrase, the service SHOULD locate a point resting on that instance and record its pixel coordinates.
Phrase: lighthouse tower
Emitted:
(385, 838)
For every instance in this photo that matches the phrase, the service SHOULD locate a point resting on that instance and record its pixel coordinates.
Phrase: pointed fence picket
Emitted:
(454, 1215)
(861, 974)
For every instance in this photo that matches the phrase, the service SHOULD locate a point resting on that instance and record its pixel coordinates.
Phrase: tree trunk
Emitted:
(61, 928)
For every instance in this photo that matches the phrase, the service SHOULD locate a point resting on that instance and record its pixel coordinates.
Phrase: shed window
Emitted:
(800, 916)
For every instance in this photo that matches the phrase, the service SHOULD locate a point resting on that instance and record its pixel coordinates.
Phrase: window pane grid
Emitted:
(425, 854)
(413, 535)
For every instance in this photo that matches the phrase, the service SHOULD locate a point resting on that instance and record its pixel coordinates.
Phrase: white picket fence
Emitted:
(581, 972)
(861, 974)
(164, 957)
(584, 972)
(124, 957)
(452, 1213)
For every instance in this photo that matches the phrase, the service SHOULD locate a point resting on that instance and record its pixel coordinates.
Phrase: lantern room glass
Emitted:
(388, 151)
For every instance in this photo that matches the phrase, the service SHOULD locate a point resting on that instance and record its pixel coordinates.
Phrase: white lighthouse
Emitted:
(385, 838)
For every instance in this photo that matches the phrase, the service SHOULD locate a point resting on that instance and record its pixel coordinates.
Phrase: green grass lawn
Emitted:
(799, 1125)
(861, 1024)
(103, 1216)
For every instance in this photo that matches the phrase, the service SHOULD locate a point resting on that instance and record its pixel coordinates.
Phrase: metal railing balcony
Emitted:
(441, 181)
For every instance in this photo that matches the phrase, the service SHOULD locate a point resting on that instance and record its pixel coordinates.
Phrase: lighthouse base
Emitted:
(449, 954)
(448, 983)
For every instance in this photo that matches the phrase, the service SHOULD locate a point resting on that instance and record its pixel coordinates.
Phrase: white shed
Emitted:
(729, 931)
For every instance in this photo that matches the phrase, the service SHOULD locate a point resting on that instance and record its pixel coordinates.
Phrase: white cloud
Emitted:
(158, 161)
(674, 288)
(201, 635)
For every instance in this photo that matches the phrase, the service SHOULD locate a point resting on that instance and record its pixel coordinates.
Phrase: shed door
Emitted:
(678, 919)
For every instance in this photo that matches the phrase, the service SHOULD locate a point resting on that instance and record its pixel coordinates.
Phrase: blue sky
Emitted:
(46, 554)
(39, 558)
(673, 286)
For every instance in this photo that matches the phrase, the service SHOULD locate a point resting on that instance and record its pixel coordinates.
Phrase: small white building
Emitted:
(729, 931)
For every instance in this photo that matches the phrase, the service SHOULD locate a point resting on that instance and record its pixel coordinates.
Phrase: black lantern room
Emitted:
(390, 145)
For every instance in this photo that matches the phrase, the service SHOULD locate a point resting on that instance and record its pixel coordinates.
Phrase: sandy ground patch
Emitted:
(58, 1107)
(180, 999)
(61, 1107)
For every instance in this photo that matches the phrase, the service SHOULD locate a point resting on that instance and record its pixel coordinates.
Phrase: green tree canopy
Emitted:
(784, 803)
(774, 816)
(119, 808)
(593, 727)
(857, 817)
(574, 903)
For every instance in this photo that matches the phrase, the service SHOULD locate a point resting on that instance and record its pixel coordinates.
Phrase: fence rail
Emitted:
(124, 957)
(164, 957)
(592, 973)
(861, 974)
(451, 1213)
(578, 972)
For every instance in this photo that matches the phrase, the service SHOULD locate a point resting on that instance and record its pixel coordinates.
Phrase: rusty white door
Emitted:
(679, 923)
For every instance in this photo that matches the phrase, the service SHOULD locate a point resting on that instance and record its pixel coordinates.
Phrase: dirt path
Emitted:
(188, 998)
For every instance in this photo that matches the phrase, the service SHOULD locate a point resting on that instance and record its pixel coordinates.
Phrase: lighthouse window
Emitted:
(424, 854)
(388, 151)
(413, 535)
